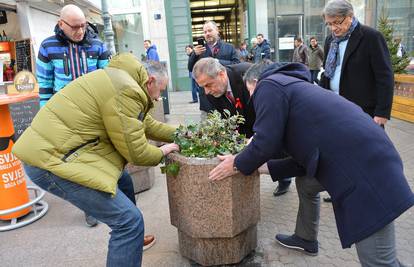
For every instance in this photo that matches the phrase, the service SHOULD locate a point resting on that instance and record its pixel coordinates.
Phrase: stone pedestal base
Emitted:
(142, 177)
(217, 251)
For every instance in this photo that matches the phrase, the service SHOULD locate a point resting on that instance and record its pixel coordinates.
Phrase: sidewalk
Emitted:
(61, 237)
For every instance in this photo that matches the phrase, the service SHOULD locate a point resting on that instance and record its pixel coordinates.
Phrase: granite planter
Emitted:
(142, 177)
(216, 220)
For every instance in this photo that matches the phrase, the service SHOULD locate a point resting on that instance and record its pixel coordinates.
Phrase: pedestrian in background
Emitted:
(300, 53)
(151, 51)
(194, 86)
(315, 59)
(214, 47)
(262, 50)
(243, 53)
(252, 51)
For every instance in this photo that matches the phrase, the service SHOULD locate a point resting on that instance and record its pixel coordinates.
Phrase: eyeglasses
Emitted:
(77, 27)
(4, 141)
(335, 23)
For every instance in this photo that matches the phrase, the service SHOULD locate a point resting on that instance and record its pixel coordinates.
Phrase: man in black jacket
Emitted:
(364, 73)
(225, 89)
(214, 47)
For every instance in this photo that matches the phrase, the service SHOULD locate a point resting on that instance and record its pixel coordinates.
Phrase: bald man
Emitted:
(73, 51)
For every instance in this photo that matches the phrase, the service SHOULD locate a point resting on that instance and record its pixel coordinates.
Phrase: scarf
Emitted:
(333, 60)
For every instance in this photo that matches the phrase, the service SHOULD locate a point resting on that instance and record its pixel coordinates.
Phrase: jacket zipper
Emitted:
(73, 151)
(65, 63)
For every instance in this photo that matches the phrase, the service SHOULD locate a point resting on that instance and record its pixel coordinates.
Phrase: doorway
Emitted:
(228, 15)
(288, 28)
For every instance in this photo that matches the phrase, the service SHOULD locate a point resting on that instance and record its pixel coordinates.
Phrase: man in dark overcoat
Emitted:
(349, 156)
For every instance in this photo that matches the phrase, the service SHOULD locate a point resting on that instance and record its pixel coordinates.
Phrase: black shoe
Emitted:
(281, 189)
(193, 102)
(295, 242)
(90, 220)
(327, 199)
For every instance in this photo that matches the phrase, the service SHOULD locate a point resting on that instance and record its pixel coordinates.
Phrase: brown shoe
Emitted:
(149, 241)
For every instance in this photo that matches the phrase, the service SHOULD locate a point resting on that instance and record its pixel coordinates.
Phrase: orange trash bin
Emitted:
(13, 190)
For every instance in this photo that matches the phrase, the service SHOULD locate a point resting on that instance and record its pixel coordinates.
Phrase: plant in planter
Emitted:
(216, 220)
(212, 137)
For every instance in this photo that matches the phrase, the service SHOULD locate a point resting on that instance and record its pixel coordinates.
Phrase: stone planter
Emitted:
(142, 177)
(403, 103)
(216, 220)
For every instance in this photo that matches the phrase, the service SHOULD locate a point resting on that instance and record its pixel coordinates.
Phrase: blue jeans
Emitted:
(194, 88)
(118, 212)
(314, 76)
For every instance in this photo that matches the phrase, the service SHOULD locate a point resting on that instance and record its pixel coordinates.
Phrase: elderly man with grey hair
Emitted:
(79, 142)
(357, 62)
(226, 90)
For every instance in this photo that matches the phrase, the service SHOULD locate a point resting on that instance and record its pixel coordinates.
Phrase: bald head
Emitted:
(70, 11)
(73, 23)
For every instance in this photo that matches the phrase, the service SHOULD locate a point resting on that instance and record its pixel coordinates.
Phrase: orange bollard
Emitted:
(13, 190)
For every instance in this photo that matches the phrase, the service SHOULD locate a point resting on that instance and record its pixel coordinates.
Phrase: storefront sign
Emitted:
(24, 82)
(286, 43)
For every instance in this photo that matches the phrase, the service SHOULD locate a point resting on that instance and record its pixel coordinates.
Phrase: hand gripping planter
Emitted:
(216, 220)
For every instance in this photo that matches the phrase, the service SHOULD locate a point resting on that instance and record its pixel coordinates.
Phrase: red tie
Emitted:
(230, 97)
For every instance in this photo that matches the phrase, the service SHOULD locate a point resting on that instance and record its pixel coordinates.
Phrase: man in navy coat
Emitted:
(336, 147)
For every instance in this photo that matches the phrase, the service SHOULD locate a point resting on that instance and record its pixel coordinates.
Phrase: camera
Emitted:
(201, 41)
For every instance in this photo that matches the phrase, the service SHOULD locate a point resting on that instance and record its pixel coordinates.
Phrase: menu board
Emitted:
(23, 55)
(23, 114)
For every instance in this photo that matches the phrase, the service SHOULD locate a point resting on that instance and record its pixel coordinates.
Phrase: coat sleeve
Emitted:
(230, 53)
(104, 56)
(45, 72)
(271, 106)
(284, 168)
(305, 56)
(192, 60)
(158, 131)
(266, 51)
(384, 76)
(127, 132)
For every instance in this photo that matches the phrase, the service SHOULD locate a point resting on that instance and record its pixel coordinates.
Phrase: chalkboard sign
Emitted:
(23, 55)
(23, 114)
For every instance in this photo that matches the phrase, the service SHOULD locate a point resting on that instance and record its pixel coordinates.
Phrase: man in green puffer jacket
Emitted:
(79, 142)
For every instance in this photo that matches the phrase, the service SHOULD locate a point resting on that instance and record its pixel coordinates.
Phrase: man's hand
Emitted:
(199, 49)
(224, 169)
(168, 148)
(380, 120)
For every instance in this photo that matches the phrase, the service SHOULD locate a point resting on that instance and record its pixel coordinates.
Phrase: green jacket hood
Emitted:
(129, 63)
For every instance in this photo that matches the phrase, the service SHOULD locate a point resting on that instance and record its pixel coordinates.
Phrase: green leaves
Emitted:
(171, 169)
(216, 135)
(399, 64)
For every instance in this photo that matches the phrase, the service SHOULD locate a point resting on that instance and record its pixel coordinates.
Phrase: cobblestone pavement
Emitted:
(61, 237)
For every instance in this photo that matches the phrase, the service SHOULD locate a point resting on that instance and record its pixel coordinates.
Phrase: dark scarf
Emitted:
(333, 60)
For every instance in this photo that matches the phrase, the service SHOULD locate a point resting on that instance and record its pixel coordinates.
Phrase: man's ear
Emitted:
(60, 23)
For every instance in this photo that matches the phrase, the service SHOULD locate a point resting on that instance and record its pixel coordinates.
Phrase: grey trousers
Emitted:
(374, 251)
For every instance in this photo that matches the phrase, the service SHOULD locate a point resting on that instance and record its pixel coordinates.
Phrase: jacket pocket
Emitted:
(75, 152)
